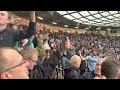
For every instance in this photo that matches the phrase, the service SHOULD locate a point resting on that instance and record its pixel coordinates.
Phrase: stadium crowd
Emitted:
(27, 53)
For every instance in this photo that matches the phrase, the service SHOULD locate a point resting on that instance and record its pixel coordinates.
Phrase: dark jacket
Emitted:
(35, 42)
(88, 75)
(45, 70)
(8, 37)
(72, 73)
(83, 67)
(39, 63)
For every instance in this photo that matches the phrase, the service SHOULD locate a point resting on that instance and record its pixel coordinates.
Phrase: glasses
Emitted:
(32, 60)
(21, 63)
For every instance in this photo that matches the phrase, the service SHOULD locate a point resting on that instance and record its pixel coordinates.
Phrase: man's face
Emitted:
(94, 53)
(4, 18)
(32, 61)
(71, 47)
(98, 68)
(48, 56)
(20, 72)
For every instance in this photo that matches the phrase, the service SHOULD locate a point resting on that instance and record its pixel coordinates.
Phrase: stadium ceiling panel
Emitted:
(82, 19)
(95, 18)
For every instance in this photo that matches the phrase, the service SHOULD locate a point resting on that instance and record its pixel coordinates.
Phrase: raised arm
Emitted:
(32, 16)
(27, 33)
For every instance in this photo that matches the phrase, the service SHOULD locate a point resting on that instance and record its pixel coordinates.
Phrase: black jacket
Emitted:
(45, 70)
(83, 67)
(35, 42)
(72, 73)
(8, 37)
(88, 75)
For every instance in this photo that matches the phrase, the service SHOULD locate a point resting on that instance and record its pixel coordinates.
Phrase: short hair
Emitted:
(28, 52)
(93, 50)
(4, 63)
(110, 69)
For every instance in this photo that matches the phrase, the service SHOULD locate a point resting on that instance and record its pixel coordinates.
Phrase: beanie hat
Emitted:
(41, 52)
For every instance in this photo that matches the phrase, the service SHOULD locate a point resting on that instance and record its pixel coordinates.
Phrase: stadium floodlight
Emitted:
(40, 18)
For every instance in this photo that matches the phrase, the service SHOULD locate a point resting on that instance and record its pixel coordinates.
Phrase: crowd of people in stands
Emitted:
(26, 53)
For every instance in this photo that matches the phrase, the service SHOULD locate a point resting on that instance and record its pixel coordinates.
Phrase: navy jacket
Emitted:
(45, 70)
(72, 73)
(8, 37)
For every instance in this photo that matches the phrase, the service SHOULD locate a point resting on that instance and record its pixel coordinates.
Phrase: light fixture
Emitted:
(76, 27)
(54, 23)
(65, 25)
(40, 18)
(87, 28)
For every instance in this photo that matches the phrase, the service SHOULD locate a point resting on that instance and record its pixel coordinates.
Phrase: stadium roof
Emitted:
(78, 19)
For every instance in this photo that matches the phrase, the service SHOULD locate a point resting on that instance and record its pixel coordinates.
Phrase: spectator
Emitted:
(92, 59)
(30, 55)
(45, 70)
(12, 65)
(35, 42)
(41, 57)
(93, 74)
(111, 69)
(24, 43)
(9, 36)
(48, 54)
(73, 71)
(65, 61)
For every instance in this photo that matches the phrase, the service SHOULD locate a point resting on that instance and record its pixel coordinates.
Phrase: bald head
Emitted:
(8, 58)
(12, 65)
(75, 61)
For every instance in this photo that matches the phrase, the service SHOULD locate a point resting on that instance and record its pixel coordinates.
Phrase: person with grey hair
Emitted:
(30, 55)
(110, 69)
(43, 71)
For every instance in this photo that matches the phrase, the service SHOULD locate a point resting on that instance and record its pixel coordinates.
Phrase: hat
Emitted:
(42, 53)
